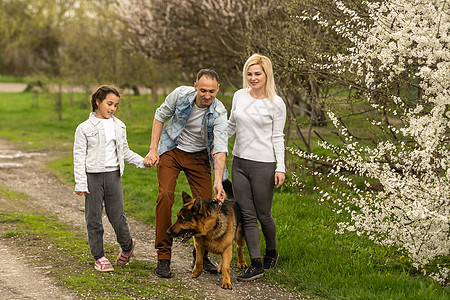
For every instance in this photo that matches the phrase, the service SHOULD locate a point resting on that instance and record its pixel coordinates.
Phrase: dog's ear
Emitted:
(186, 197)
(197, 207)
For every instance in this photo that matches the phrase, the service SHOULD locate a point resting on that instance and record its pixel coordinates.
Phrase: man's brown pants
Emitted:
(197, 169)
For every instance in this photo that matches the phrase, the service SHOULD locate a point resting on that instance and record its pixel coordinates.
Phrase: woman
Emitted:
(257, 118)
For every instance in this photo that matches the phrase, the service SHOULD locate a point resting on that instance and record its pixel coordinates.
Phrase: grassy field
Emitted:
(313, 260)
(13, 79)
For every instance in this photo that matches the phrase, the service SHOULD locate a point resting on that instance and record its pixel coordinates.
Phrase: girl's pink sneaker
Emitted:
(103, 265)
(124, 257)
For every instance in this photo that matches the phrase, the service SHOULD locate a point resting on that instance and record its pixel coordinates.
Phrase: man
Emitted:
(195, 133)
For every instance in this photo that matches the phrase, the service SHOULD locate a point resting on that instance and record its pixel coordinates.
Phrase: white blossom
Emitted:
(412, 210)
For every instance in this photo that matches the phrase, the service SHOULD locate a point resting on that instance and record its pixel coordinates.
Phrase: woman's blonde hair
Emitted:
(266, 65)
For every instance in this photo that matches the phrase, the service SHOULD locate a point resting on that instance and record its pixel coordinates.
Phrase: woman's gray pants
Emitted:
(105, 188)
(253, 185)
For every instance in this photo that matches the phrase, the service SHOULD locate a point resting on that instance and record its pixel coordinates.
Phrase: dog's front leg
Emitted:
(226, 261)
(198, 268)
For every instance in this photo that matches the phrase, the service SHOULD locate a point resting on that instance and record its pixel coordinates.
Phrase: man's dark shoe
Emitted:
(163, 269)
(252, 273)
(270, 261)
(208, 266)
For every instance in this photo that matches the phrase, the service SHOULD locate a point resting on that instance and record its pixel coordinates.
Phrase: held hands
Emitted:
(151, 159)
(279, 179)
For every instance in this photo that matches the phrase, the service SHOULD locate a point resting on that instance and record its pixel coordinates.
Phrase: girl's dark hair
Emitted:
(100, 94)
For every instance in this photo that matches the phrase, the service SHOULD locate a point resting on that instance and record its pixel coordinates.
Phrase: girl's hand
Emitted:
(81, 193)
(279, 178)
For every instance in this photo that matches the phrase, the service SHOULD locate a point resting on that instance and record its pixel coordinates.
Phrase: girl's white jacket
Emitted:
(89, 150)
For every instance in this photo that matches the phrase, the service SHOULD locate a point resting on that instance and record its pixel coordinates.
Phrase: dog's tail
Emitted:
(228, 188)
(230, 199)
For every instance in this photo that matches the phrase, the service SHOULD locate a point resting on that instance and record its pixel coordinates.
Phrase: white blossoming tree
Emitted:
(407, 39)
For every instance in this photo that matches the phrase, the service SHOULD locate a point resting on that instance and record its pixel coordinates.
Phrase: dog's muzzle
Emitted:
(184, 234)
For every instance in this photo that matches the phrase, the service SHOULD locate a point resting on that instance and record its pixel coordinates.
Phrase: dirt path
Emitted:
(19, 281)
(12, 87)
(25, 173)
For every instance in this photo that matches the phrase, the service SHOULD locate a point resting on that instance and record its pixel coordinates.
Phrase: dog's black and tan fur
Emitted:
(214, 227)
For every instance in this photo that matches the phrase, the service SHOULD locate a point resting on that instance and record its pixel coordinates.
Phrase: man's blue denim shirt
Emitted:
(177, 107)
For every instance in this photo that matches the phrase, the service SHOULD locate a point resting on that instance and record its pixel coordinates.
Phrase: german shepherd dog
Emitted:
(214, 227)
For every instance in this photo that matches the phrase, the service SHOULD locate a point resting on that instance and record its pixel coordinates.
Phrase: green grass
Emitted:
(13, 79)
(12, 195)
(313, 260)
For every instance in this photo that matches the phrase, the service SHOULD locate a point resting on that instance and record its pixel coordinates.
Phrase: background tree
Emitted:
(29, 39)
(46, 40)
(195, 35)
(13, 38)
(405, 39)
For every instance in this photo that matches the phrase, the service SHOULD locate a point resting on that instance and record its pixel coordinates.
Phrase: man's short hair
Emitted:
(208, 73)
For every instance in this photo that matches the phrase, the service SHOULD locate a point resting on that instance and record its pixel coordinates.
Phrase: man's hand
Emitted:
(279, 178)
(219, 167)
(219, 192)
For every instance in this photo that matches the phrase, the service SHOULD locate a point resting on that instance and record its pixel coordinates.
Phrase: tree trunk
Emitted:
(154, 95)
(59, 102)
(317, 111)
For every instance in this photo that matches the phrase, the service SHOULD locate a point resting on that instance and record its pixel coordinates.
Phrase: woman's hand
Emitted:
(279, 178)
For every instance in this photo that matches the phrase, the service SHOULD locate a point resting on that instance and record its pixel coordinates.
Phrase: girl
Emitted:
(257, 118)
(99, 151)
